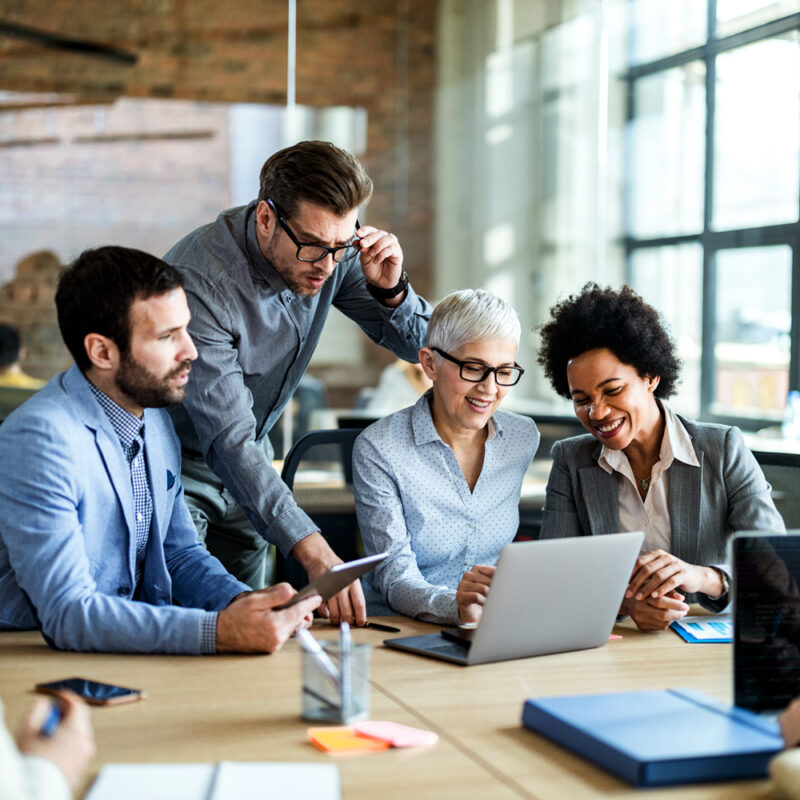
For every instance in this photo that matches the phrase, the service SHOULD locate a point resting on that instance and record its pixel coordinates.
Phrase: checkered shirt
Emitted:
(130, 432)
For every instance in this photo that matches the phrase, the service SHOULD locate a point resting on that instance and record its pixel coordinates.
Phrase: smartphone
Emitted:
(94, 692)
(335, 579)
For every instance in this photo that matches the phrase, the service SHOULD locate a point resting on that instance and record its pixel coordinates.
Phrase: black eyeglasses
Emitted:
(315, 252)
(475, 371)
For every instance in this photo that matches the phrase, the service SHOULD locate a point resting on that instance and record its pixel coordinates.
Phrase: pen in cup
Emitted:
(345, 646)
(314, 649)
(52, 721)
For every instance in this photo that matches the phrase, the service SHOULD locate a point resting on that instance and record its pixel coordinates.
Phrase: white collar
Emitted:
(675, 444)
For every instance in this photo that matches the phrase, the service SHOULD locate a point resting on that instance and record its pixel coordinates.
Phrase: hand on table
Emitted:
(71, 746)
(251, 624)
(655, 613)
(473, 589)
(658, 573)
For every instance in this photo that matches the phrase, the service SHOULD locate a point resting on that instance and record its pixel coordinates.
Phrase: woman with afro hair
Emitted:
(688, 485)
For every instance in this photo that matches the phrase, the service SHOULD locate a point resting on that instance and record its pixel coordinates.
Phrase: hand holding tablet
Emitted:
(335, 579)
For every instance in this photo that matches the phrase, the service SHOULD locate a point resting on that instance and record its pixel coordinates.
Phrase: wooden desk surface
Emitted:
(248, 708)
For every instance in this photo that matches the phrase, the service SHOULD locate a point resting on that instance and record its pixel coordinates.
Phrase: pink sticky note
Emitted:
(614, 636)
(397, 735)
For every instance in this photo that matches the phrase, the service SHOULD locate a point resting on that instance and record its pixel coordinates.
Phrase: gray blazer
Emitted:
(707, 505)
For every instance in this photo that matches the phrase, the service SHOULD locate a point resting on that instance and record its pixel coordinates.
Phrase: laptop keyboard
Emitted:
(450, 648)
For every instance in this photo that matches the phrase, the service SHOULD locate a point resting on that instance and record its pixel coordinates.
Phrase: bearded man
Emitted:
(97, 548)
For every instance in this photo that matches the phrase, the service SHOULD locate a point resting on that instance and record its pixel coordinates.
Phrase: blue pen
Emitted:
(345, 647)
(54, 717)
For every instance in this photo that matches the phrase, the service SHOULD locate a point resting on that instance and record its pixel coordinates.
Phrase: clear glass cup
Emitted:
(341, 700)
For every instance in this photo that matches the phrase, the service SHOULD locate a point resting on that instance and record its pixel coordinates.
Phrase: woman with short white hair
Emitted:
(437, 484)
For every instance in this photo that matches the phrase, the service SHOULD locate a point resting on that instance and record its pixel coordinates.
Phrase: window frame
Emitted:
(712, 241)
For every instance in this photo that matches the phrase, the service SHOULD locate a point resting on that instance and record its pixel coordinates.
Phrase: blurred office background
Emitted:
(526, 146)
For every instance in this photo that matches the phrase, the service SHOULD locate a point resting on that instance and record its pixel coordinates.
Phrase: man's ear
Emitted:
(427, 360)
(653, 381)
(265, 218)
(102, 351)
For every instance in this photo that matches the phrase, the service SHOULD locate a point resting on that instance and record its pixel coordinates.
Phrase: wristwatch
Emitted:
(726, 583)
(387, 294)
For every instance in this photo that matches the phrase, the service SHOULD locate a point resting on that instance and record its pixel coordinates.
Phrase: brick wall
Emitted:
(378, 55)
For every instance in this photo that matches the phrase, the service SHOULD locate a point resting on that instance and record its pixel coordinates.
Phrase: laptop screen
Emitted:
(766, 641)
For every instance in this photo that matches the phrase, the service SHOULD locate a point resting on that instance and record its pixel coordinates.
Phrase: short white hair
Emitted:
(471, 315)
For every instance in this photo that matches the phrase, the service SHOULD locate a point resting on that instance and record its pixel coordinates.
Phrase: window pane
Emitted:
(670, 279)
(751, 337)
(757, 137)
(662, 27)
(667, 152)
(739, 15)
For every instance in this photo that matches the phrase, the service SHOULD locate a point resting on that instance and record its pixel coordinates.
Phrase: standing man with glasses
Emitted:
(260, 281)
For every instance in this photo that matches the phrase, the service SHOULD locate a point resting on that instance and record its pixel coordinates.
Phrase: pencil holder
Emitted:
(341, 698)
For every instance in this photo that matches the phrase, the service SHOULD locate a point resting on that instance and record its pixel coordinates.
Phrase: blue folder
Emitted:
(658, 738)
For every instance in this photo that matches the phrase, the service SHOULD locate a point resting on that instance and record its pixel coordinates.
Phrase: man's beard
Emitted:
(290, 275)
(294, 284)
(147, 389)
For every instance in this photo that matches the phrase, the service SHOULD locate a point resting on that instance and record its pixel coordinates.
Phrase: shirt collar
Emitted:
(261, 269)
(424, 429)
(675, 444)
(127, 426)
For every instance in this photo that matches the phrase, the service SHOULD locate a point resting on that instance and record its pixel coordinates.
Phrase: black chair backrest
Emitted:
(344, 437)
(782, 470)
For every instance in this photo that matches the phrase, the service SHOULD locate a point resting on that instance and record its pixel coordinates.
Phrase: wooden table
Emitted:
(247, 708)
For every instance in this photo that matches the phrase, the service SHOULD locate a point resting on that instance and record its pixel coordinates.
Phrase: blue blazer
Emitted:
(707, 504)
(68, 533)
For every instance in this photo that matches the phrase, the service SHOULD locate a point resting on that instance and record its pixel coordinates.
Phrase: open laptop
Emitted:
(547, 596)
(766, 620)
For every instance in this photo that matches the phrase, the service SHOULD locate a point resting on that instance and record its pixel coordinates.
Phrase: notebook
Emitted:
(227, 780)
(766, 620)
(547, 596)
(658, 737)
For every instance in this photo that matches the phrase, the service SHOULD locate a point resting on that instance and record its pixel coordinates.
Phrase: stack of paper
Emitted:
(228, 780)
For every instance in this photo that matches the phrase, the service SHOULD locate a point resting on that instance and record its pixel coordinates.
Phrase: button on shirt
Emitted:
(650, 515)
(130, 432)
(413, 501)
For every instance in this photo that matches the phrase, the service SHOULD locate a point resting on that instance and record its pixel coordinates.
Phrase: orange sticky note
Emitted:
(343, 740)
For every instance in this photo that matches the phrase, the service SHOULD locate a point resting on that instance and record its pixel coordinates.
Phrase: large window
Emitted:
(713, 194)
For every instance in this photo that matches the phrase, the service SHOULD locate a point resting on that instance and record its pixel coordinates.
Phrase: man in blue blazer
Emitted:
(96, 543)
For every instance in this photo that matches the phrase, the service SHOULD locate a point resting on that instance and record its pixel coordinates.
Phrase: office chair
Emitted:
(782, 470)
(11, 397)
(339, 527)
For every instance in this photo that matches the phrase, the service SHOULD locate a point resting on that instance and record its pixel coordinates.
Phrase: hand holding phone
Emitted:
(94, 692)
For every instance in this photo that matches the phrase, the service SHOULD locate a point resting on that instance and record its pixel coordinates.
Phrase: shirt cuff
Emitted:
(208, 633)
(291, 527)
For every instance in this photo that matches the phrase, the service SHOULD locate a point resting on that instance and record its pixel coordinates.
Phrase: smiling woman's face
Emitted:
(614, 403)
(462, 404)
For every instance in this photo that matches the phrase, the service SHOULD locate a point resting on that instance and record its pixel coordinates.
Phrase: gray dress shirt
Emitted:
(255, 339)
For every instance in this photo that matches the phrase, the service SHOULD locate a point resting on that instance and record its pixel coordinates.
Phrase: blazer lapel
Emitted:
(684, 508)
(110, 449)
(156, 472)
(600, 497)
